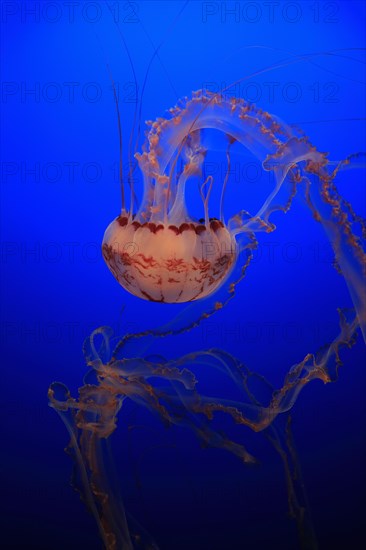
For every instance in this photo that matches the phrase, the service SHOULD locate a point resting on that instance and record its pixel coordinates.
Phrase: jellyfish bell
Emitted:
(169, 262)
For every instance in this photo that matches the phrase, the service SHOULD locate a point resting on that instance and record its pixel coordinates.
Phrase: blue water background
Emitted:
(56, 288)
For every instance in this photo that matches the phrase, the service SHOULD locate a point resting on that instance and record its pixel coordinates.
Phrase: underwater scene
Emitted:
(183, 259)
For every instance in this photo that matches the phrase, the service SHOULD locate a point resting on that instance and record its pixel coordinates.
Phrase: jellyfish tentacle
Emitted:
(130, 151)
(92, 418)
(224, 185)
(338, 220)
(205, 199)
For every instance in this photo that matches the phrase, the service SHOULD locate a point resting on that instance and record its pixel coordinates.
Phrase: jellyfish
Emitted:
(170, 263)
(162, 254)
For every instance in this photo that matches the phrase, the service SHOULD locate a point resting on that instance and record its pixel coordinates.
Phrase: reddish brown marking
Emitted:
(216, 224)
(107, 251)
(185, 227)
(150, 297)
(174, 229)
(200, 229)
(202, 265)
(149, 260)
(122, 220)
(174, 263)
